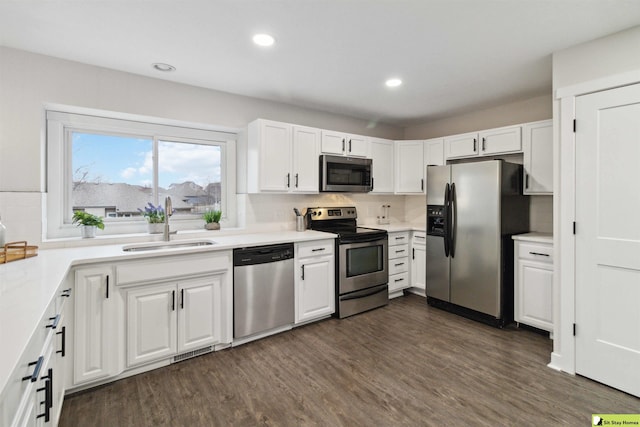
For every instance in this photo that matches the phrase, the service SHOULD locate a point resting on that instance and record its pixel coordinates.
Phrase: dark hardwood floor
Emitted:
(404, 364)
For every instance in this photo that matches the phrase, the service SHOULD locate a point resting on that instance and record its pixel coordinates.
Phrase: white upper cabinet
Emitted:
(410, 167)
(500, 141)
(489, 142)
(434, 152)
(381, 151)
(282, 157)
(464, 145)
(538, 157)
(343, 144)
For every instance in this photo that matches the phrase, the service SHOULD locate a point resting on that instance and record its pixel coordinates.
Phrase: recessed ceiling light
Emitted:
(263, 40)
(163, 67)
(393, 82)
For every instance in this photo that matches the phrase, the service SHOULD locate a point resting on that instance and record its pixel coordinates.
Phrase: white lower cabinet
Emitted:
(314, 280)
(398, 263)
(95, 346)
(164, 320)
(533, 290)
(419, 261)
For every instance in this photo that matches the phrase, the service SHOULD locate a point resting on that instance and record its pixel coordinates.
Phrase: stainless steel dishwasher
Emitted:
(262, 288)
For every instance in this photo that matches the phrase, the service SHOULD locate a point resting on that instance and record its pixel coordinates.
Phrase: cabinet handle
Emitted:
(399, 264)
(182, 298)
(343, 144)
(173, 300)
(48, 396)
(302, 271)
(54, 325)
(526, 180)
(398, 280)
(371, 183)
(413, 253)
(484, 143)
(36, 371)
(317, 249)
(401, 250)
(538, 253)
(400, 238)
(349, 146)
(474, 144)
(66, 293)
(63, 332)
(107, 286)
(288, 180)
(296, 180)
(422, 184)
(418, 237)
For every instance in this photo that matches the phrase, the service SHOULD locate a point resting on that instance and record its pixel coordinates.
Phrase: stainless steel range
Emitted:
(362, 274)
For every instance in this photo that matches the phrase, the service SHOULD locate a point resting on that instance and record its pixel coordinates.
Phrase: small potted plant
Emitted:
(212, 219)
(154, 216)
(87, 223)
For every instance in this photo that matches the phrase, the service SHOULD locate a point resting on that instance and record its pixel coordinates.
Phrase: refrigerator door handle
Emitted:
(446, 220)
(452, 222)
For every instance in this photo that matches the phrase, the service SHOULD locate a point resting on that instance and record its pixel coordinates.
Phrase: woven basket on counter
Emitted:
(14, 251)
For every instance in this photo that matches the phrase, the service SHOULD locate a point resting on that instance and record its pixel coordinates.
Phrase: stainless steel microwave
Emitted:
(345, 174)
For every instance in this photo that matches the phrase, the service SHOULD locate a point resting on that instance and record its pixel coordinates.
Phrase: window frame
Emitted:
(62, 122)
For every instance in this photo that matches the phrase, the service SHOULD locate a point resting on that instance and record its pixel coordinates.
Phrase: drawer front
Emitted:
(400, 238)
(535, 251)
(419, 238)
(398, 265)
(398, 251)
(320, 247)
(399, 281)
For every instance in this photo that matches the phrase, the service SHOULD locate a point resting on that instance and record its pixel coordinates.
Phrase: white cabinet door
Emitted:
(434, 152)
(275, 156)
(306, 152)
(94, 324)
(500, 140)
(333, 142)
(535, 294)
(458, 146)
(315, 291)
(419, 262)
(538, 157)
(410, 167)
(200, 313)
(151, 323)
(356, 146)
(381, 152)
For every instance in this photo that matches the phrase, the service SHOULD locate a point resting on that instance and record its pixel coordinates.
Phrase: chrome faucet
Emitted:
(168, 211)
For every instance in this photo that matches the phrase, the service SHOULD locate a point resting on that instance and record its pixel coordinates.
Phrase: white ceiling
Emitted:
(332, 55)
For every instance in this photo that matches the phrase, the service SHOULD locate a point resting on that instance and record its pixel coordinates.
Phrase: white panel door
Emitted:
(538, 157)
(501, 140)
(199, 314)
(151, 323)
(356, 146)
(94, 322)
(275, 156)
(333, 142)
(306, 160)
(434, 152)
(419, 267)
(464, 145)
(381, 153)
(315, 292)
(410, 168)
(608, 237)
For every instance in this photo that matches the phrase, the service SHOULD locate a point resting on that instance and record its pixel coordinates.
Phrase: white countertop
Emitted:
(534, 237)
(28, 286)
(394, 227)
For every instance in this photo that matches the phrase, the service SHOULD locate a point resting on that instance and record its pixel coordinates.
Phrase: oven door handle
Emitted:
(362, 240)
(364, 295)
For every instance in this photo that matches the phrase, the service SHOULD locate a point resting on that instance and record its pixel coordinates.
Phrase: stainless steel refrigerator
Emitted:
(473, 209)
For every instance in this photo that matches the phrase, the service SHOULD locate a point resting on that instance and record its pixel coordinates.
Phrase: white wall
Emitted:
(28, 81)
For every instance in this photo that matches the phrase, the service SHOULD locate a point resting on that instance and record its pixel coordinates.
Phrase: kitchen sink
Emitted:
(166, 245)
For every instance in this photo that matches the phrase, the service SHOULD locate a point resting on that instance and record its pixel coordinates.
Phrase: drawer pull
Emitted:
(419, 237)
(401, 250)
(66, 293)
(56, 320)
(36, 371)
(538, 253)
(398, 280)
(399, 264)
(317, 249)
(399, 238)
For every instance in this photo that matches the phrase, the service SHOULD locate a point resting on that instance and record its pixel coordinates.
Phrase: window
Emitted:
(113, 167)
